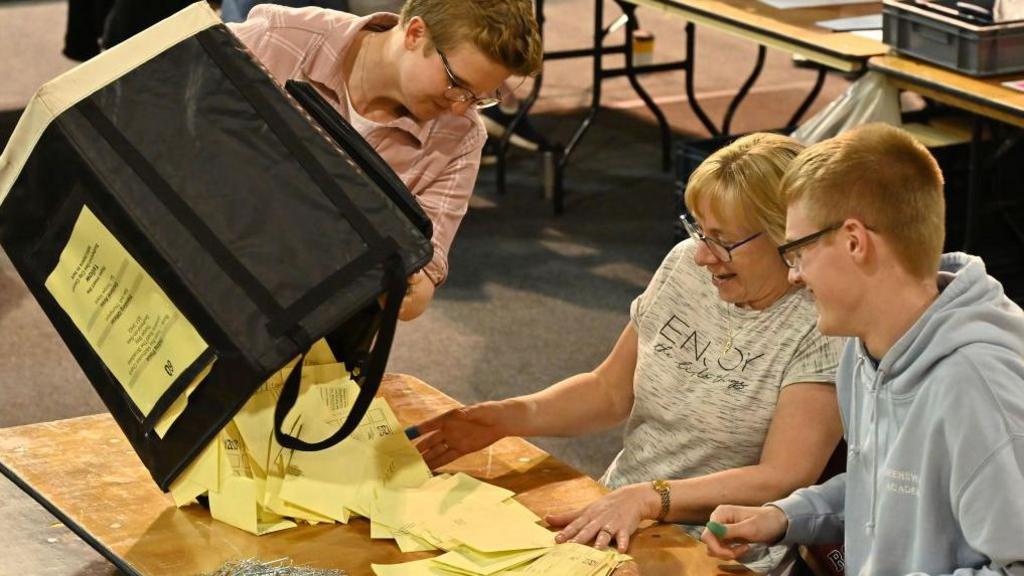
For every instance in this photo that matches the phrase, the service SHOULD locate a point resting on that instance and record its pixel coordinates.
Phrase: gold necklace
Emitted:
(728, 341)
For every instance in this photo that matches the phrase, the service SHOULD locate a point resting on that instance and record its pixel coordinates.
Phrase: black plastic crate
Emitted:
(954, 43)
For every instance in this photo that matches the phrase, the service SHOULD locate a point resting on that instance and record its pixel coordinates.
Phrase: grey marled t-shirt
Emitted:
(700, 406)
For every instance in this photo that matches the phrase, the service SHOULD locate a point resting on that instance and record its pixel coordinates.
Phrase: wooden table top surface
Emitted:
(984, 96)
(86, 470)
(793, 30)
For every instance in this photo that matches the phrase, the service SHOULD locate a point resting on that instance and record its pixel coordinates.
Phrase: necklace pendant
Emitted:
(727, 347)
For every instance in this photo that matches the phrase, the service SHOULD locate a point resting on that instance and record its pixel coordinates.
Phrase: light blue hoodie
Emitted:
(935, 468)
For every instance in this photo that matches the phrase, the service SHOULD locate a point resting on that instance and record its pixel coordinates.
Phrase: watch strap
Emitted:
(664, 490)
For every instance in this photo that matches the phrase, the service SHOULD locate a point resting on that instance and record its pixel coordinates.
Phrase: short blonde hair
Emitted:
(883, 177)
(741, 181)
(504, 30)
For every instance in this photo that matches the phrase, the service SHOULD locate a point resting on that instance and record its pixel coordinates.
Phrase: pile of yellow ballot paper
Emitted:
(482, 528)
(254, 484)
(560, 560)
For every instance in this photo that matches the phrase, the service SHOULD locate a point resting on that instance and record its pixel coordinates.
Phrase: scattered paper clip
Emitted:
(279, 567)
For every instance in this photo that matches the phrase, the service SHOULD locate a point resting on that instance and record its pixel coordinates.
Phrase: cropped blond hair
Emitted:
(504, 30)
(883, 177)
(741, 182)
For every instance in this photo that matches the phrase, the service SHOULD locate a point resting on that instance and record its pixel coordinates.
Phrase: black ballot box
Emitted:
(189, 227)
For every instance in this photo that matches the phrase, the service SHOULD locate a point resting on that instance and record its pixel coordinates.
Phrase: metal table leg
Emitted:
(691, 93)
(973, 181)
(632, 25)
(744, 90)
(806, 104)
(555, 152)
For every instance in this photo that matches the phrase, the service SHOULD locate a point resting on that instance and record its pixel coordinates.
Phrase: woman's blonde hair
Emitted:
(741, 182)
(882, 176)
(503, 30)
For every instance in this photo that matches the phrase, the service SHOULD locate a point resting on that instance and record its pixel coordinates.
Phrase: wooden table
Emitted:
(983, 96)
(985, 99)
(84, 471)
(37, 543)
(792, 31)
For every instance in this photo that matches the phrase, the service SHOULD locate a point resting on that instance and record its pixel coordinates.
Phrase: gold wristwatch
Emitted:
(665, 491)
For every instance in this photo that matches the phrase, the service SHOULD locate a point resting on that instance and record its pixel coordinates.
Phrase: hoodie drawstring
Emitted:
(855, 442)
(873, 422)
(858, 444)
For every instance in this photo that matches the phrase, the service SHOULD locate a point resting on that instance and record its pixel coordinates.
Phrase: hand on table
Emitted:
(614, 517)
(460, 431)
(744, 525)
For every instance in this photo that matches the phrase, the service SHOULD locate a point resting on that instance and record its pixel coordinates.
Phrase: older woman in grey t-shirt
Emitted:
(722, 378)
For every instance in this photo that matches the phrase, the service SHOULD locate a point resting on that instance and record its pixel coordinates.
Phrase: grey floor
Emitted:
(531, 298)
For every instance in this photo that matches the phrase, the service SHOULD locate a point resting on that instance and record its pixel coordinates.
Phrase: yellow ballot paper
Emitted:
(178, 407)
(201, 475)
(326, 481)
(392, 462)
(138, 333)
(406, 542)
(472, 562)
(517, 509)
(342, 479)
(409, 543)
(255, 420)
(238, 501)
(418, 568)
(575, 560)
(255, 484)
(319, 353)
(412, 511)
(473, 524)
(272, 497)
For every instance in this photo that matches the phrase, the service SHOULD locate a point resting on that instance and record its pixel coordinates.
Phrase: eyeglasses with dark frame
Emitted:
(790, 251)
(720, 250)
(456, 92)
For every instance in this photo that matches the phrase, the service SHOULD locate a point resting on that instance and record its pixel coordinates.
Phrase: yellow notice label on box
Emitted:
(131, 324)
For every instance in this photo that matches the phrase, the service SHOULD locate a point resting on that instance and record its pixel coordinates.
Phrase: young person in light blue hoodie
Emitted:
(930, 386)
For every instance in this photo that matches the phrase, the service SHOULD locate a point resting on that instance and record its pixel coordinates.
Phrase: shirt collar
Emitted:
(323, 66)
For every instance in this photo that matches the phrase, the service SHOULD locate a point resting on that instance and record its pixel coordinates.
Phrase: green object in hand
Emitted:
(716, 528)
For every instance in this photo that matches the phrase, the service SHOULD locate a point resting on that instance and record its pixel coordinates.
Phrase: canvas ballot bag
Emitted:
(189, 228)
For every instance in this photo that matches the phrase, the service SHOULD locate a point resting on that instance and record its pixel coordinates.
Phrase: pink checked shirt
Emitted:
(437, 160)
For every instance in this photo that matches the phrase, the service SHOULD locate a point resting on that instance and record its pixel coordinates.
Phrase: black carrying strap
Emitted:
(396, 284)
(358, 150)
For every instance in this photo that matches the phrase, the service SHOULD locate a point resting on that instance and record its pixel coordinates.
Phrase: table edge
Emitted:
(75, 527)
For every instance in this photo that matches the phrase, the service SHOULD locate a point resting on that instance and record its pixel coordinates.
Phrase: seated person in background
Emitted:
(931, 386)
(723, 380)
(410, 86)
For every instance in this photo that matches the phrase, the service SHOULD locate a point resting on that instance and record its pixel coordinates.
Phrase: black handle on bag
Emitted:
(396, 286)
